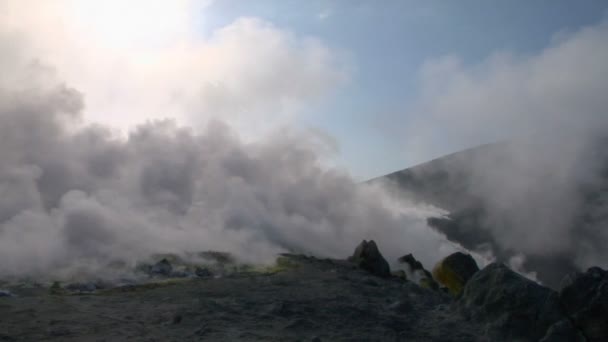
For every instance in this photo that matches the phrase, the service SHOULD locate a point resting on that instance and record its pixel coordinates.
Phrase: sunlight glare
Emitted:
(133, 23)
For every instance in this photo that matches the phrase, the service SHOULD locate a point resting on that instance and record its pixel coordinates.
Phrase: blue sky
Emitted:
(388, 42)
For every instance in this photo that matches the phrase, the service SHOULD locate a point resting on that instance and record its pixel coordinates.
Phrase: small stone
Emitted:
(6, 293)
(203, 272)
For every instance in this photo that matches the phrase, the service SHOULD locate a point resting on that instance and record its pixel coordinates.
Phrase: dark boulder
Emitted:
(368, 257)
(511, 307)
(414, 265)
(454, 271)
(162, 268)
(584, 299)
(412, 262)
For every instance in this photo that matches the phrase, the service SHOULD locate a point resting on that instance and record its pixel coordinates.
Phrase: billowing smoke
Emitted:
(82, 198)
(541, 197)
(76, 196)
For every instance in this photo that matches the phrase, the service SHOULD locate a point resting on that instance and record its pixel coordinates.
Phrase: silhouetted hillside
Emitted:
(526, 203)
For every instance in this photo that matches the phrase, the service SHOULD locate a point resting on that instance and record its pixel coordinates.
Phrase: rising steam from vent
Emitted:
(541, 196)
(77, 195)
(75, 198)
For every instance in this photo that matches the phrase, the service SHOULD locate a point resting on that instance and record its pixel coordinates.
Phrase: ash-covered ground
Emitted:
(303, 298)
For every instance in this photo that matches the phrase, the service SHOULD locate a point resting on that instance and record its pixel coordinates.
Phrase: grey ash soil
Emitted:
(312, 300)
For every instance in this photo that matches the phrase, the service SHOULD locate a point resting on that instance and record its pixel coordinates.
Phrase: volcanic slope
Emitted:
(502, 194)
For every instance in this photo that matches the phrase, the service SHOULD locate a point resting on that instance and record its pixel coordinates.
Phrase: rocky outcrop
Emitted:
(162, 268)
(368, 257)
(420, 274)
(584, 299)
(511, 307)
(454, 271)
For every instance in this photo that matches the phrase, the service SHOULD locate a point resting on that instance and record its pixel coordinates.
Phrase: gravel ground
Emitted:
(311, 300)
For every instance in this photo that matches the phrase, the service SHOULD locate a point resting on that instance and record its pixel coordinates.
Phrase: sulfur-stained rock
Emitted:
(454, 271)
(420, 275)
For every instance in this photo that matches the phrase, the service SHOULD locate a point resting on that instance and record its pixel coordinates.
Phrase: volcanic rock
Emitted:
(162, 268)
(512, 307)
(368, 257)
(455, 271)
(585, 301)
(423, 277)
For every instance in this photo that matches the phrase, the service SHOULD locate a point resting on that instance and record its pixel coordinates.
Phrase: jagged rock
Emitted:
(423, 277)
(563, 331)
(412, 262)
(585, 300)
(454, 271)
(512, 307)
(162, 268)
(368, 257)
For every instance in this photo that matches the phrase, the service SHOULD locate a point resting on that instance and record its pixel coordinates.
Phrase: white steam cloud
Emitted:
(545, 192)
(76, 196)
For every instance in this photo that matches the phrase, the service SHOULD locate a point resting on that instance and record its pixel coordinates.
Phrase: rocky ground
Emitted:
(309, 299)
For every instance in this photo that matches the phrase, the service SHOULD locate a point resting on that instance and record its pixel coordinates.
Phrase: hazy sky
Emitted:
(387, 43)
(357, 71)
